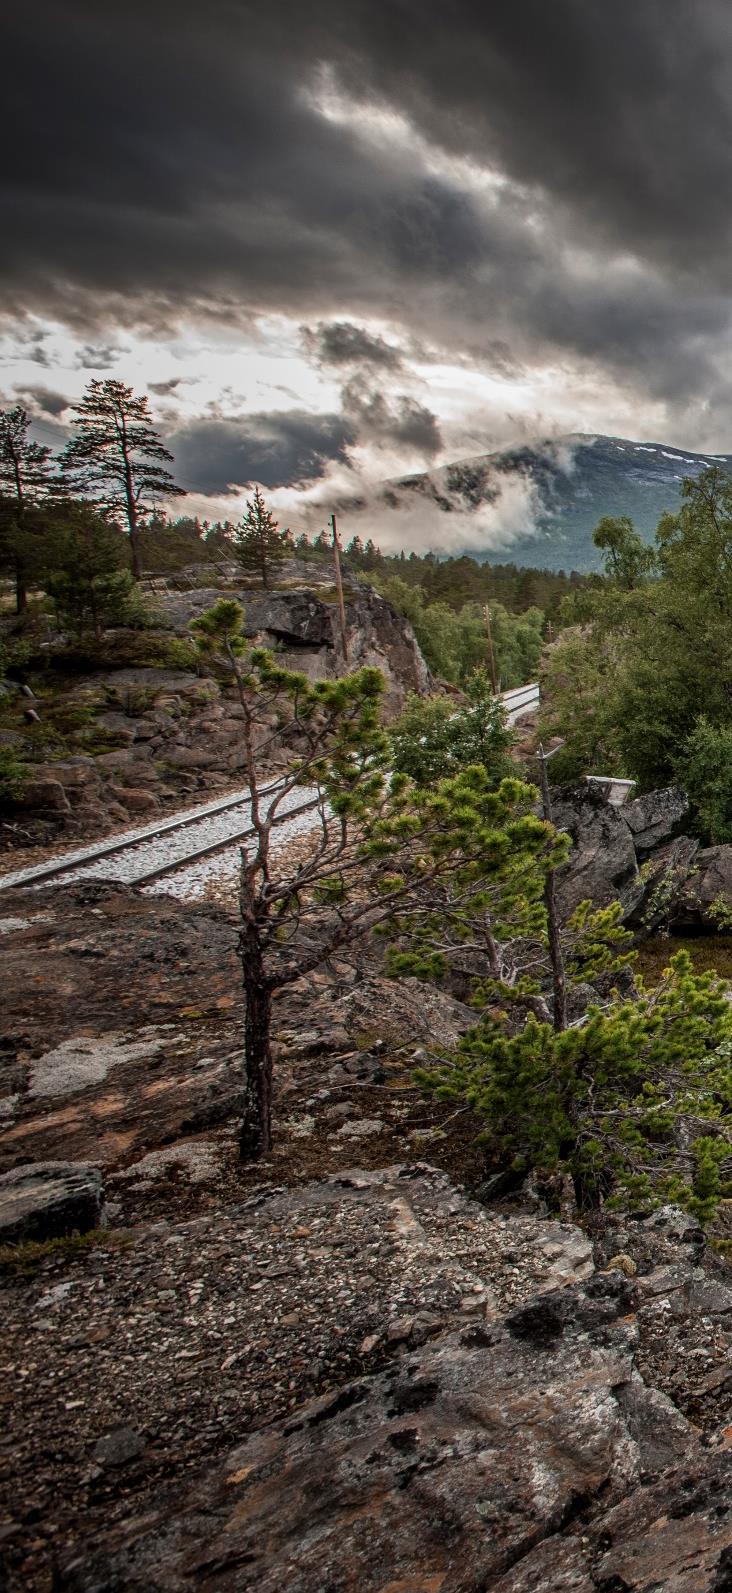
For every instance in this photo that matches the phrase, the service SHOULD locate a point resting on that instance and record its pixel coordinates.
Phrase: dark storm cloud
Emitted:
(169, 183)
(398, 421)
(276, 449)
(342, 343)
(43, 401)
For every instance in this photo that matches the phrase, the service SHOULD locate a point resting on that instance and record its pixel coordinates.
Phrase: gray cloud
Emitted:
(398, 421)
(214, 454)
(43, 401)
(605, 244)
(164, 389)
(91, 358)
(342, 343)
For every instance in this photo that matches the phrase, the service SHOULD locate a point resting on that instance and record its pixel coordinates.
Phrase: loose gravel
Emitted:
(69, 855)
(218, 876)
(162, 845)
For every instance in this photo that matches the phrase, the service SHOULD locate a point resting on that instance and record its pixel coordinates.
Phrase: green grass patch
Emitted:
(21, 1260)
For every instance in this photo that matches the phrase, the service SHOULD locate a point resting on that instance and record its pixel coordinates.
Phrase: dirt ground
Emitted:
(121, 1046)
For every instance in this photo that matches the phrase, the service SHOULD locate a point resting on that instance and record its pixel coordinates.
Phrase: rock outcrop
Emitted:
(528, 1450)
(158, 733)
(602, 865)
(655, 817)
(635, 854)
(46, 1200)
(706, 890)
(304, 627)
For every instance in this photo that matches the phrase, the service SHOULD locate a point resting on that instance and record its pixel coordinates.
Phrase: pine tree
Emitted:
(258, 542)
(26, 480)
(117, 458)
(382, 847)
(87, 576)
(617, 1101)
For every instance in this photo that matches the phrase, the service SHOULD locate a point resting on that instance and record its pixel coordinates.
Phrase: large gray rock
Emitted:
(655, 817)
(306, 631)
(664, 875)
(602, 865)
(708, 889)
(441, 1472)
(46, 1200)
(46, 796)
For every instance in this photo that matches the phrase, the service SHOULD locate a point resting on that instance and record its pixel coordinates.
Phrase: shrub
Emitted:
(14, 775)
(618, 1101)
(435, 738)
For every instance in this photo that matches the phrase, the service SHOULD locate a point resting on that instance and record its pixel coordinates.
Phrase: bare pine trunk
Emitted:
(132, 515)
(559, 977)
(255, 1138)
(134, 548)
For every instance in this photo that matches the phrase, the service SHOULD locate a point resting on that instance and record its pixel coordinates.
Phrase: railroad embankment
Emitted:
(136, 724)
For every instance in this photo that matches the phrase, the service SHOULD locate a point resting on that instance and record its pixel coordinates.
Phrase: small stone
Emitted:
(119, 1447)
(399, 1330)
(341, 1110)
(362, 1128)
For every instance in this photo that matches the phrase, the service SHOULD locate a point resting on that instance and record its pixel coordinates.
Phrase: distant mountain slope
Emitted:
(572, 482)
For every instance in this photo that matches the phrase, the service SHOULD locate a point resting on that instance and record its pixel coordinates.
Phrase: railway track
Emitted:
(152, 852)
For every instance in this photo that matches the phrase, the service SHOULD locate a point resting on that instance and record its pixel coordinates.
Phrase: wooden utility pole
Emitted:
(559, 977)
(339, 588)
(491, 654)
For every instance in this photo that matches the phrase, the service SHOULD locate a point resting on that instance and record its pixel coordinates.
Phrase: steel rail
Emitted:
(215, 846)
(124, 843)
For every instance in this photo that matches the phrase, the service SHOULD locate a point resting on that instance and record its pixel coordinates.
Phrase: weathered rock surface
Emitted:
(98, 1052)
(439, 1473)
(665, 877)
(45, 1200)
(528, 1451)
(634, 854)
(122, 1032)
(196, 1332)
(708, 885)
(655, 817)
(602, 866)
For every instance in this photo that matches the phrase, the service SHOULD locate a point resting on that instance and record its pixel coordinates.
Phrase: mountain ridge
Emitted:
(570, 483)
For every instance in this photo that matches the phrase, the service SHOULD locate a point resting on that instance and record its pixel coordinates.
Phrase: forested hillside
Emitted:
(640, 683)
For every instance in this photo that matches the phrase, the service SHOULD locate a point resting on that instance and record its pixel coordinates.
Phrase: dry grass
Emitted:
(706, 952)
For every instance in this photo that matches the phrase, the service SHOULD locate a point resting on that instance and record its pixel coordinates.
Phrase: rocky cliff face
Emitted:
(304, 627)
(171, 732)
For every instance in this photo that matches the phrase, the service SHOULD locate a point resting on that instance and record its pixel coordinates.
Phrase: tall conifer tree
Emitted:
(26, 479)
(117, 458)
(259, 544)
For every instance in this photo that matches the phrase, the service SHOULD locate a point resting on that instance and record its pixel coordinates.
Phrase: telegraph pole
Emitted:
(491, 654)
(559, 977)
(339, 587)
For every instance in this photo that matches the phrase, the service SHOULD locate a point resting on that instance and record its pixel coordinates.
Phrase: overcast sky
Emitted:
(338, 242)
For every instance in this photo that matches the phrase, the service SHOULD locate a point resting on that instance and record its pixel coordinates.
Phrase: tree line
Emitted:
(84, 525)
(640, 683)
